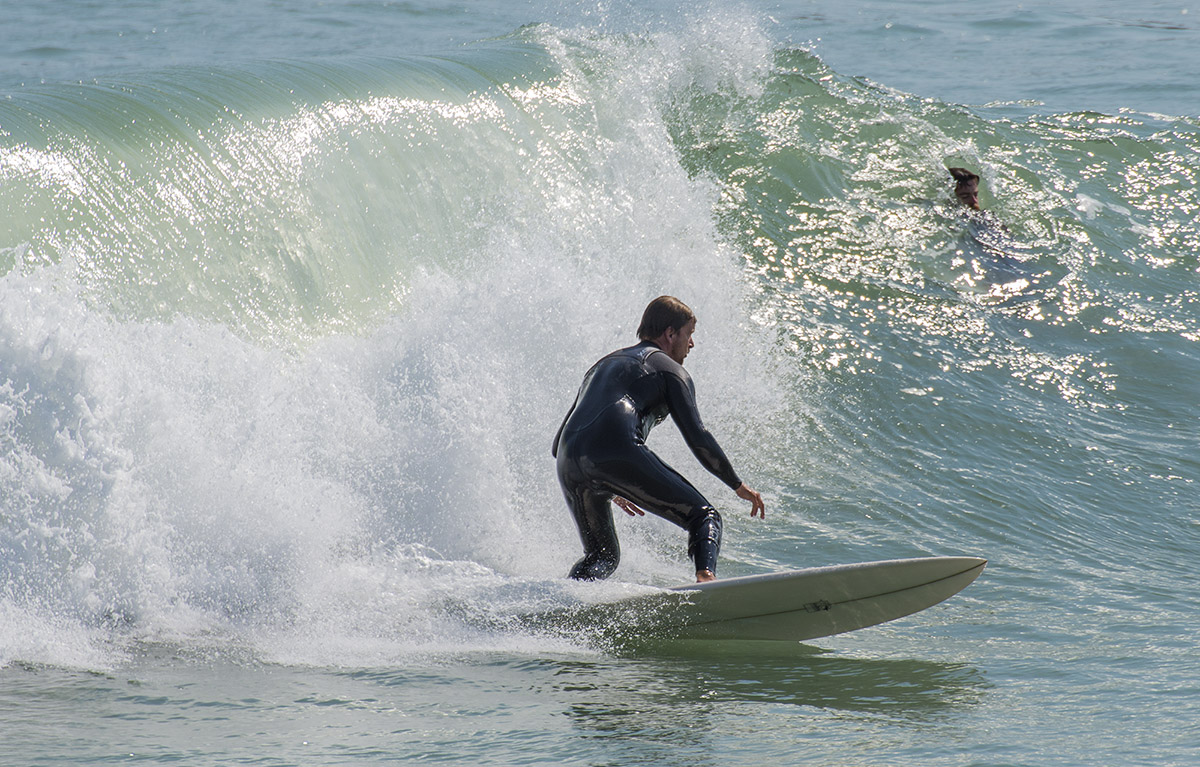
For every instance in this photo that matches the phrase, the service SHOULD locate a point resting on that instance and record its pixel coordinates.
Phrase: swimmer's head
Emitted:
(966, 187)
(662, 313)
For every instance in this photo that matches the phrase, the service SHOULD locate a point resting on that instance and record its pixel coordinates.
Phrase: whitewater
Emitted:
(293, 298)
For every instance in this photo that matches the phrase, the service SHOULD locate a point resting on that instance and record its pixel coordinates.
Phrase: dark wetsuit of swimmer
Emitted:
(601, 451)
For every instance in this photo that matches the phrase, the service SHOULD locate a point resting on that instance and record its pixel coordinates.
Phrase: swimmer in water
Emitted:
(966, 187)
(602, 455)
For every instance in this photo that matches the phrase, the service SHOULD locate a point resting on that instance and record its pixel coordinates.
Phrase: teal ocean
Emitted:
(294, 295)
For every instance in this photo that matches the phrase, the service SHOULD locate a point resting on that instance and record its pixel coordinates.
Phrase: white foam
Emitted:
(358, 494)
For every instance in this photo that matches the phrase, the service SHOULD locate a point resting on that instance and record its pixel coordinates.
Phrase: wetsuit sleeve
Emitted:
(681, 398)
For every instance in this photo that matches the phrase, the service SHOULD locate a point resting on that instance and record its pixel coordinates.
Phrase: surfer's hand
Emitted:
(757, 507)
(629, 508)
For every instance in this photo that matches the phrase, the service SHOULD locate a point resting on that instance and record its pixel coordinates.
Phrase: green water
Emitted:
(290, 310)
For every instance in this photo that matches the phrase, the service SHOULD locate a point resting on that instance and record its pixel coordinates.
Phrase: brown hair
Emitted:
(662, 313)
(964, 179)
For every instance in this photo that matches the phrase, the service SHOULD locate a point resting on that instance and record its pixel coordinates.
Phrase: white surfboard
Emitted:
(793, 606)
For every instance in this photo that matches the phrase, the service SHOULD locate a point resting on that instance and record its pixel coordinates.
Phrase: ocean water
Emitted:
(293, 297)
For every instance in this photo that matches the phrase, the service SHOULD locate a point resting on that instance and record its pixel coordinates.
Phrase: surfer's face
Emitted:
(679, 342)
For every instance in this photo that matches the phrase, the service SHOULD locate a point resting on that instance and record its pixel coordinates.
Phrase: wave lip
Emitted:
(285, 351)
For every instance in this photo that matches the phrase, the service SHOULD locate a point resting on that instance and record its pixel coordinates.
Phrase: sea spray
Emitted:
(286, 357)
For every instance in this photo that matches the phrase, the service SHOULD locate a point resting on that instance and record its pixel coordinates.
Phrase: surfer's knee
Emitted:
(704, 538)
(596, 565)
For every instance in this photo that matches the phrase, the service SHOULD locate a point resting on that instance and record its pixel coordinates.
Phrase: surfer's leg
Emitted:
(593, 517)
(650, 483)
(704, 539)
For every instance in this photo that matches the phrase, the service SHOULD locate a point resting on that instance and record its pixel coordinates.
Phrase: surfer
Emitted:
(601, 446)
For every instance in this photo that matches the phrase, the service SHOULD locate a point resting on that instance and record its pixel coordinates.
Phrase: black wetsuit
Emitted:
(601, 451)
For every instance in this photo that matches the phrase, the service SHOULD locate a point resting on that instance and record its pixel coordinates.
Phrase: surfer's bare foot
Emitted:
(703, 576)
